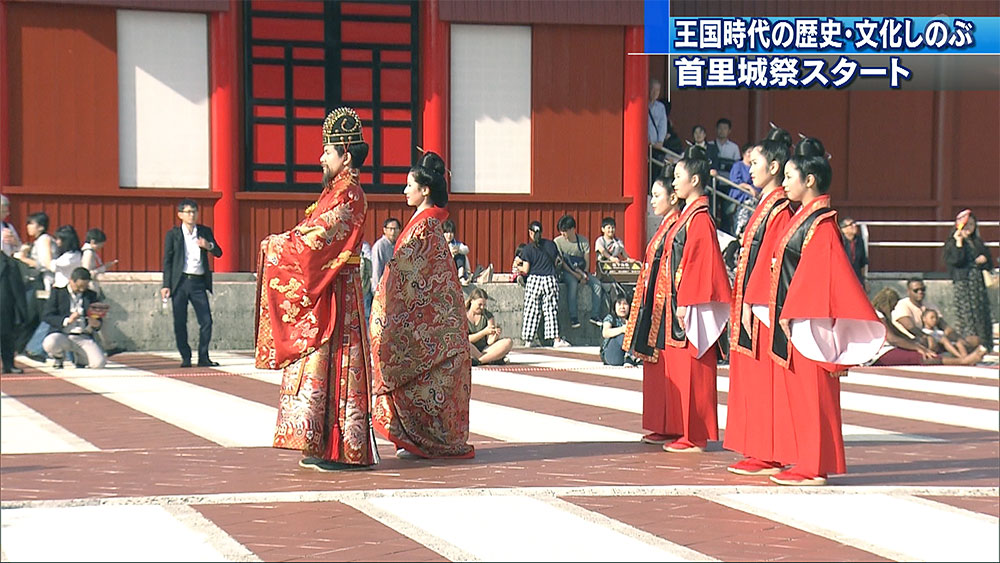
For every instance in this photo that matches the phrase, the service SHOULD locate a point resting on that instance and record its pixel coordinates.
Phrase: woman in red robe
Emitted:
(309, 314)
(644, 329)
(758, 423)
(820, 317)
(696, 312)
(420, 337)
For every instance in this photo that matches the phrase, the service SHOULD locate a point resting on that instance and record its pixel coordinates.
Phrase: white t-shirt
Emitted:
(906, 308)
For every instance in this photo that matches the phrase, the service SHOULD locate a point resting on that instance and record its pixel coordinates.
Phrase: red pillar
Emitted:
(435, 42)
(224, 134)
(635, 146)
(4, 99)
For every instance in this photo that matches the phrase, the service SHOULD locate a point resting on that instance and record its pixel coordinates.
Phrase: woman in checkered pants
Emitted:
(540, 261)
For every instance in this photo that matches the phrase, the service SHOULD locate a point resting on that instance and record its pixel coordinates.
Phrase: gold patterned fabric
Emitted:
(310, 324)
(420, 345)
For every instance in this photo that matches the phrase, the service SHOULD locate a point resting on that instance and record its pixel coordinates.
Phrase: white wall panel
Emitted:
(490, 109)
(163, 99)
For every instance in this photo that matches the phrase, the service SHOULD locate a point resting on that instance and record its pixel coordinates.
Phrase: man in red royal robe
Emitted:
(310, 320)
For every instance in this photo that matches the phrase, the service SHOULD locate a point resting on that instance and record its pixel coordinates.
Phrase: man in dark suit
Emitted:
(72, 324)
(13, 310)
(187, 276)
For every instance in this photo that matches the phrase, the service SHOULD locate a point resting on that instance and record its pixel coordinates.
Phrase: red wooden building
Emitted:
(113, 110)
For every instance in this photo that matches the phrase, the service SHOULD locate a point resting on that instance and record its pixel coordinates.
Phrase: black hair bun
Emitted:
(694, 151)
(780, 135)
(810, 146)
(432, 162)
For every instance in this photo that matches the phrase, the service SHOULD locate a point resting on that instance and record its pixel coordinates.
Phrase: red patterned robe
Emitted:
(310, 323)
(420, 345)
(758, 423)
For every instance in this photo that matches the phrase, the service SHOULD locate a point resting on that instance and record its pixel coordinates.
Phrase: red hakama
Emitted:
(758, 423)
(642, 331)
(699, 283)
(832, 326)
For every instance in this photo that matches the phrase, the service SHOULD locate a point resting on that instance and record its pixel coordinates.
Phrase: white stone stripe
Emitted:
(912, 409)
(116, 533)
(534, 492)
(510, 424)
(975, 372)
(899, 528)
(631, 401)
(24, 430)
(222, 418)
(528, 529)
(948, 388)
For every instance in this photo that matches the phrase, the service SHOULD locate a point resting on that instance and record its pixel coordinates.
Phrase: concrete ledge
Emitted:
(138, 322)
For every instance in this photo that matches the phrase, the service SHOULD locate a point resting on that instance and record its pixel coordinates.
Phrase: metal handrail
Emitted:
(716, 192)
(920, 244)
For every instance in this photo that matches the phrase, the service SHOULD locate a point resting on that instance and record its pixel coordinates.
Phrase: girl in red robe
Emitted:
(758, 423)
(419, 334)
(644, 330)
(820, 318)
(696, 311)
(310, 314)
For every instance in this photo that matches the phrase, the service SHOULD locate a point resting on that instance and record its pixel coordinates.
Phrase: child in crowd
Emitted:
(613, 331)
(459, 252)
(515, 268)
(935, 338)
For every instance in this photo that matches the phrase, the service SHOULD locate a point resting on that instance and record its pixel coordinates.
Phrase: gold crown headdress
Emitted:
(342, 127)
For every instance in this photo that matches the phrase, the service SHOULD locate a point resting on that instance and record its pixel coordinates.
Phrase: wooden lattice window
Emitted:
(304, 58)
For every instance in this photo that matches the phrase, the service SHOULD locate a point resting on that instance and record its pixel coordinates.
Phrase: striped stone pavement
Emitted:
(145, 461)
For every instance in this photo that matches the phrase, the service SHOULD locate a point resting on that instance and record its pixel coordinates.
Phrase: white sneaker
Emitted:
(560, 343)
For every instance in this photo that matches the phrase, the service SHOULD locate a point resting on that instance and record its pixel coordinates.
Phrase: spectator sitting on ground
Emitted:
(937, 337)
(459, 252)
(907, 315)
(71, 314)
(575, 252)
(613, 333)
(902, 350)
(485, 342)
(854, 246)
(91, 260)
(608, 247)
(515, 267)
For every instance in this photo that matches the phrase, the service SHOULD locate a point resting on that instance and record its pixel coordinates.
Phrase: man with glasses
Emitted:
(383, 249)
(187, 276)
(854, 245)
(908, 313)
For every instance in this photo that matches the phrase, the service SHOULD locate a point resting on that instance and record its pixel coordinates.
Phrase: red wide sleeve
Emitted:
(296, 305)
(703, 273)
(830, 316)
(759, 286)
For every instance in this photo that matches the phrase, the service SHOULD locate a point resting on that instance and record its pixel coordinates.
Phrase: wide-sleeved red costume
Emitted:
(310, 322)
(696, 279)
(644, 336)
(832, 326)
(758, 421)
(420, 345)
